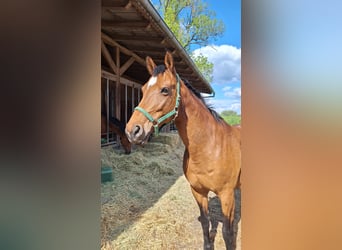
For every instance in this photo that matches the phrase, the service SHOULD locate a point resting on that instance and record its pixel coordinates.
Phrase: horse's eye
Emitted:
(164, 91)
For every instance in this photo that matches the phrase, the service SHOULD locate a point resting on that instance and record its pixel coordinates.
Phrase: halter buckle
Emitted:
(156, 129)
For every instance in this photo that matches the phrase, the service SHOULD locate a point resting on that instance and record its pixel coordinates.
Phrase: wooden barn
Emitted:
(130, 31)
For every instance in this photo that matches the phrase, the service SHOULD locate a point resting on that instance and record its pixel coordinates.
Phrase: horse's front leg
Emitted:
(228, 206)
(202, 201)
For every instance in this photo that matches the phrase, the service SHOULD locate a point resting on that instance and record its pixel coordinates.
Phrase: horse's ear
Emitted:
(168, 61)
(150, 65)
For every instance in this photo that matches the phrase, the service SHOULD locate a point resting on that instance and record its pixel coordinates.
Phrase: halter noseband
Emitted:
(164, 117)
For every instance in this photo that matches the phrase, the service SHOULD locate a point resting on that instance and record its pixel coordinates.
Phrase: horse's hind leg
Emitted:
(214, 216)
(213, 230)
(202, 201)
(228, 206)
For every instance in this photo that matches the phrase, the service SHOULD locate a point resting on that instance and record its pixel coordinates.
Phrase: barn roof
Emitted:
(136, 28)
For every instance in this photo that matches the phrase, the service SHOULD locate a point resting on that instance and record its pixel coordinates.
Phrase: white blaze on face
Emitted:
(152, 81)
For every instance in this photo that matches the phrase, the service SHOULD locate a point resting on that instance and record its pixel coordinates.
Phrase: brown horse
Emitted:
(212, 157)
(117, 127)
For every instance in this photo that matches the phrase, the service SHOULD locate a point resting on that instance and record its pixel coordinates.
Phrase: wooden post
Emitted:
(118, 89)
(107, 56)
(107, 108)
(118, 98)
(126, 116)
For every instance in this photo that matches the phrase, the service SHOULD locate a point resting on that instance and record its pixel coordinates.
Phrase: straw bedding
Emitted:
(149, 204)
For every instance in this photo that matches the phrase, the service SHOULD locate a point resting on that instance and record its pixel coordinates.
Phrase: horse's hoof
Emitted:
(208, 247)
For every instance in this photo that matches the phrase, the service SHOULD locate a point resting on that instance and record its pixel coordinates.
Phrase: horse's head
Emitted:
(159, 103)
(126, 144)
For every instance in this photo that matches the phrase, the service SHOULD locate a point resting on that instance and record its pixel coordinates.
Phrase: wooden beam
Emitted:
(151, 53)
(164, 41)
(110, 3)
(123, 24)
(158, 46)
(186, 75)
(113, 77)
(185, 72)
(138, 38)
(117, 5)
(126, 65)
(107, 39)
(120, 9)
(153, 50)
(108, 57)
(128, 5)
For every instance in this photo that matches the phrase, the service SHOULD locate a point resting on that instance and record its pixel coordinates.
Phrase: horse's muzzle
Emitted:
(136, 135)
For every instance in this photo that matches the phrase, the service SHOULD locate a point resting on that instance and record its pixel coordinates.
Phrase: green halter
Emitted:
(164, 117)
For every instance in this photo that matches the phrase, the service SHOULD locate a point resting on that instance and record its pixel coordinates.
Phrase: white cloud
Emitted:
(233, 93)
(226, 60)
(227, 88)
(225, 104)
(227, 70)
(236, 107)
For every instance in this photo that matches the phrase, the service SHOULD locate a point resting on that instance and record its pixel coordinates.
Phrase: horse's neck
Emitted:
(193, 119)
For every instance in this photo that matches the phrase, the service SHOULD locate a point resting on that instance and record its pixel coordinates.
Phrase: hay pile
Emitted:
(149, 204)
(139, 180)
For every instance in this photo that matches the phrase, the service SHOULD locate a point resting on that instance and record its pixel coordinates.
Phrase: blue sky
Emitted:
(229, 11)
(225, 54)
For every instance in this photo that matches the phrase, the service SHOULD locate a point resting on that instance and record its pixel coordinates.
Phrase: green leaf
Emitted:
(193, 23)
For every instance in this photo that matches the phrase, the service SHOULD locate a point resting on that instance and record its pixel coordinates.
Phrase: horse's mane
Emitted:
(200, 97)
(161, 69)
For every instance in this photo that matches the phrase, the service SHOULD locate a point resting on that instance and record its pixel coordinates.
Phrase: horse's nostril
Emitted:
(136, 129)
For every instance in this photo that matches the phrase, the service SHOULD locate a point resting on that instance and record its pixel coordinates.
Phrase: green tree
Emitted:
(231, 117)
(193, 23)
(229, 113)
(204, 66)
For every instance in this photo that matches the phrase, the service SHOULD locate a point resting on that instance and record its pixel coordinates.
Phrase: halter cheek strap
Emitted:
(166, 116)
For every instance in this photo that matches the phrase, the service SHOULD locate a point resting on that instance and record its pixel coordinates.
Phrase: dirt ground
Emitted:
(149, 204)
